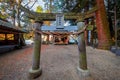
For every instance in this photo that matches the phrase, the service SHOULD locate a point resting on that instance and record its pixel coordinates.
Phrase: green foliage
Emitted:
(3, 11)
(6, 7)
(3, 16)
(58, 5)
(39, 9)
(111, 4)
(72, 5)
(118, 8)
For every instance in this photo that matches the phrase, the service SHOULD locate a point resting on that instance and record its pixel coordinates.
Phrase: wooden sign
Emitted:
(60, 21)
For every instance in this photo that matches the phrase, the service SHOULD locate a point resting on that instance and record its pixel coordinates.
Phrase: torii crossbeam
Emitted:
(52, 16)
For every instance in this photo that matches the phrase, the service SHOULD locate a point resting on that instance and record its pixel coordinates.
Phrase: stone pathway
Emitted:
(59, 62)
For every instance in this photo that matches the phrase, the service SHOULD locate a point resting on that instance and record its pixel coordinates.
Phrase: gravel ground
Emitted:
(59, 62)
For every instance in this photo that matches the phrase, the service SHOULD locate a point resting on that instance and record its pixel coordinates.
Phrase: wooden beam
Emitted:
(52, 16)
(9, 32)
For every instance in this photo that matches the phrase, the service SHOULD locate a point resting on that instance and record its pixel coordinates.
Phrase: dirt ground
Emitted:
(59, 62)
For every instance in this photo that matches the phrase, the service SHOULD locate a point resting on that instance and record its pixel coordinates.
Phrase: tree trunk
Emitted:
(103, 30)
(110, 19)
(18, 13)
(86, 22)
(14, 15)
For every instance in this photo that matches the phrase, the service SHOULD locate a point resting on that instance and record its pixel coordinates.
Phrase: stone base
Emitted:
(34, 73)
(83, 73)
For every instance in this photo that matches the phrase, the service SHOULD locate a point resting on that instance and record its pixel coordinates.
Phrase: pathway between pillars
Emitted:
(59, 63)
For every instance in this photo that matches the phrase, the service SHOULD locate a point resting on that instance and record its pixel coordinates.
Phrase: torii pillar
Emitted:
(36, 70)
(82, 68)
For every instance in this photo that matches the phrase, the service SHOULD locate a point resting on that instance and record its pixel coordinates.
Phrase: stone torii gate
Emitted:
(36, 70)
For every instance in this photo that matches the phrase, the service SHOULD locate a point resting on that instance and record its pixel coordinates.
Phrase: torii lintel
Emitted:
(52, 16)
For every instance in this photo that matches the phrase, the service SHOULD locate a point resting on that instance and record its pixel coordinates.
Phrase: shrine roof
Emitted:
(6, 26)
(53, 28)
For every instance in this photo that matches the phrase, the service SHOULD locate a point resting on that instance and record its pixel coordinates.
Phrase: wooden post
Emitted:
(82, 69)
(36, 71)
(53, 40)
(48, 39)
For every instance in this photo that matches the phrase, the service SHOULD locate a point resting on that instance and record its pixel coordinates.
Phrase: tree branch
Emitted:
(33, 4)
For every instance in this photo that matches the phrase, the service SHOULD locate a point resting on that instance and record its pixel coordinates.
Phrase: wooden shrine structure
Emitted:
(54, 35)
(36, 70)
(96, 12)
(9, 36)
(59, 37)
